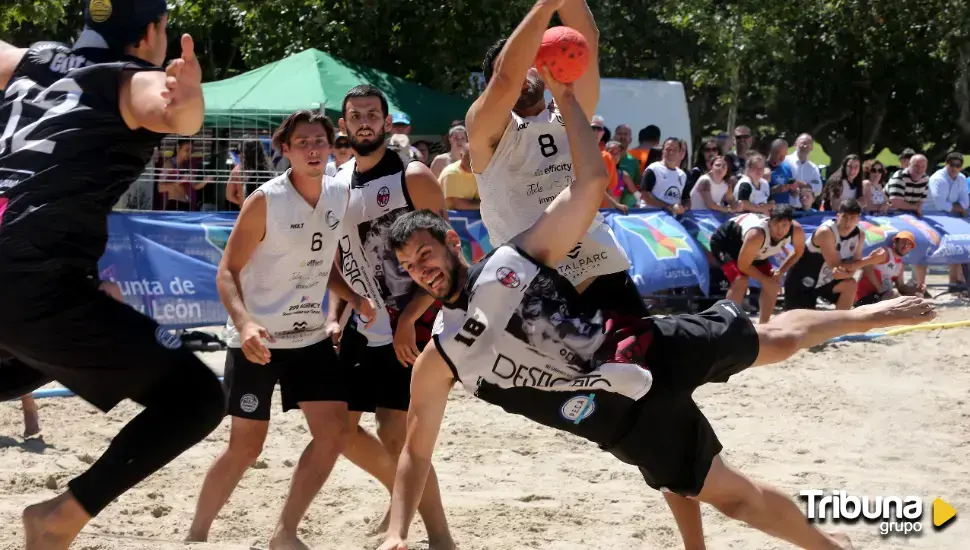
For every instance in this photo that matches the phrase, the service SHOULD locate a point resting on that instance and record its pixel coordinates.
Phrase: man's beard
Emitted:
(365, 148)
(534, 93)
(454, 273)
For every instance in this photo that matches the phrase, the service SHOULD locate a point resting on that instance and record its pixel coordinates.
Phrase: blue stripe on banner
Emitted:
(165, 262)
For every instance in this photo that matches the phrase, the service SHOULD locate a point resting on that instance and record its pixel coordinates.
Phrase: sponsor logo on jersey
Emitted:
(574, 253)
(306, 307)
(672, 193)
(167, 339)
(296, 226)
(63, 62)
(383, 196)
(578, 408)
(554, 168)
(507, 277)
(664, 239)
(522, 126)
(299, 326)
(332, 220)
(311, 263)
(307, 286)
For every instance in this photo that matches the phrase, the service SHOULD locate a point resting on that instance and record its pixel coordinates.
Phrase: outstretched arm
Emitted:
(431, 381)
(489, 114)
(576, 14)
(169, 102)
(10, 57)
(570, 215)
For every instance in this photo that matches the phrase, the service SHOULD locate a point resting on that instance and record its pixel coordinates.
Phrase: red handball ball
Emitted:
(565, 51)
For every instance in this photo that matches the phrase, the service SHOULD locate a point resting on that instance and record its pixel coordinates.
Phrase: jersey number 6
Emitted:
(315, 242)
(473, 327)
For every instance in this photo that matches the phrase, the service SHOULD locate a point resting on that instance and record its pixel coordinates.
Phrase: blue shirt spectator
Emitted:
(948, 188)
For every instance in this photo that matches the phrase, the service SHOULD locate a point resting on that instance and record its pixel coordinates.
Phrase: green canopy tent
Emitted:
(312, 79)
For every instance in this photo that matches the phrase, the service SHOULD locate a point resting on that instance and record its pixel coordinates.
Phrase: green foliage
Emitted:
(858, 74)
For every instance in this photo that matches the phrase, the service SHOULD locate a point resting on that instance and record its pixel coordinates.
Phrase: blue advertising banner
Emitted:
(165, 262)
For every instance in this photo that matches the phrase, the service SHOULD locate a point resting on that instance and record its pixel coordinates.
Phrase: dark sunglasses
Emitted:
(745, 136)
(711, 149)
(597, 128)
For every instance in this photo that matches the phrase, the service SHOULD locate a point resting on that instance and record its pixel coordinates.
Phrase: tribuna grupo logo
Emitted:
(901, 515)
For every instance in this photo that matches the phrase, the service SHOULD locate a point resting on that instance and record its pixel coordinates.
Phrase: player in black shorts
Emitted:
(80, 125)
(514, 333)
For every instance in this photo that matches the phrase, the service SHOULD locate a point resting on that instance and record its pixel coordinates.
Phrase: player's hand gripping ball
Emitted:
(565, 51)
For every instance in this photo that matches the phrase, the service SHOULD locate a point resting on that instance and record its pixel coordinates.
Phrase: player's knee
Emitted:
(392, 431)
(245, 450)
(330, 429)
(738, 507)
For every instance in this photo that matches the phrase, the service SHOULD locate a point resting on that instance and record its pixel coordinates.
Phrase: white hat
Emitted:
(598, 120)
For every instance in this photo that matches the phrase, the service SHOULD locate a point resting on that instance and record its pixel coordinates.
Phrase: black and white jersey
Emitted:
(811, 269)
(66, 156)
(729, 237)
(517, 338)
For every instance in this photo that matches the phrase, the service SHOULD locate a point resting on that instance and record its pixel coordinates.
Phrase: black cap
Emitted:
(122, 22)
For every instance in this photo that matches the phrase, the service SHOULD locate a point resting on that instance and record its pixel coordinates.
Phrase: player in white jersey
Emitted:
(521, 156)
(744, 244)
(272, 279)
(887, 280)
(633, 395)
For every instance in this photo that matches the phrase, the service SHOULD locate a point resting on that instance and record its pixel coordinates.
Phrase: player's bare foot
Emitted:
(31, 417)
(196, 537)
(842, 540)
(53, 524)
(905, 310)
(441, 543)
(286, 541)
(380, 530)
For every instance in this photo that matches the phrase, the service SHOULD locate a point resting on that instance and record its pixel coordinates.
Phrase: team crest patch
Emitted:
(100, 10)
(507, 277)
(167, 339)
(383, 196)
(578, 408)
(248, 403)
(332, 220)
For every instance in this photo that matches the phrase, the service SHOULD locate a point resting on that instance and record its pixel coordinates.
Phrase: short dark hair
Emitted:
(417, 220)
(650, 133)
(678, 141)
(954, 155)
(365, 90)
(907, 153)
(488, 66)
(285, 131)
(850, 206)
(782, 212)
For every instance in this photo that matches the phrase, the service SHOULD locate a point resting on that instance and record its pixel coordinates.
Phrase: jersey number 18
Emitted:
(473, 327)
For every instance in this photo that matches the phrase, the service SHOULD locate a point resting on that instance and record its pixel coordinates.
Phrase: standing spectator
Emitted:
(625, 191)
(781, 180)
(752, 191)
(401, 125)
(598, 124)
(663, 182)
(948, 193)
(252, 170)
(459, 183)
(908, 188)
(424, 149)
(647, 152)
(457, 138)
(614, 190)
(905, 157)
(805, 172)
(742, 144)
(711, 191)
(627, 163)
(845, 183)
(705, 159)
(341, 153)
(874, 176)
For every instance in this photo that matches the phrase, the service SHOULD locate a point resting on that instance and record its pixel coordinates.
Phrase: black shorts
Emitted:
(797, 296)
(61, 327)
(380, 380)
(670, 440)
(311, 373)
(614, 293)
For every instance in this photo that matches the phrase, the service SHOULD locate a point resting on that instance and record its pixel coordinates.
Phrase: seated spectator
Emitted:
(908, 187)
(459, 184)
(705, 157)
(832, 256)
(885, 280)
(905, 157)
(712, 192)
(744, 246)
(874, 176)
(781, 180)
(805, 172)
(625, 191)
(647, 152)
(342, 153)
(752, 190)
(457, 138)
(845, 183)
(663, 182)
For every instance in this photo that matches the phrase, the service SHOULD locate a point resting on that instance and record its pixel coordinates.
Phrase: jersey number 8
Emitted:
(547, 145)
(473, 327)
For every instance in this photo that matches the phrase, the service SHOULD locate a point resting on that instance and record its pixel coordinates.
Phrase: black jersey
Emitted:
(66, 156)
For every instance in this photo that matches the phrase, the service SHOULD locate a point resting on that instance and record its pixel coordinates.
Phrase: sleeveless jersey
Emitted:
(811, 268)
(377, 198)
(718, 190)
(730, 237)
(890, 271)
(66, 156)
(284, 282)
(531, 166)
(755, 195)
(669, 186)
(517, 338)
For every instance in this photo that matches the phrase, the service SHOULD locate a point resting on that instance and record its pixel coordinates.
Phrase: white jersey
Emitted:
(530, 167)
(756, 195)
(284, 282)
(750, 221)
(668, 184)
(845, 246)
(718, 190)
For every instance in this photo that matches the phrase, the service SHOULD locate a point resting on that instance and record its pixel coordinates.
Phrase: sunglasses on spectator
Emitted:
(742, 136)
(711, 149)
(341, 144)
(597, 128)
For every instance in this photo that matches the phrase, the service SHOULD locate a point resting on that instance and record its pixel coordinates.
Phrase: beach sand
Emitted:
(888, 417)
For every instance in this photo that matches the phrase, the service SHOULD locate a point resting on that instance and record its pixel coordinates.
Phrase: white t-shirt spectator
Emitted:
(718, 190)
(745, 190)
(806, 172)
(663, 183)
(944, 191)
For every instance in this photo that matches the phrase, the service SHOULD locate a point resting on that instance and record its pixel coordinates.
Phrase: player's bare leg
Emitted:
(846, 291)
(31, 418)
(54, 524)
(799, 329)
(687, 514)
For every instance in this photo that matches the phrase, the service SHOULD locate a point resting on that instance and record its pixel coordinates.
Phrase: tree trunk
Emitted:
(735, 87)
(961, 88)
